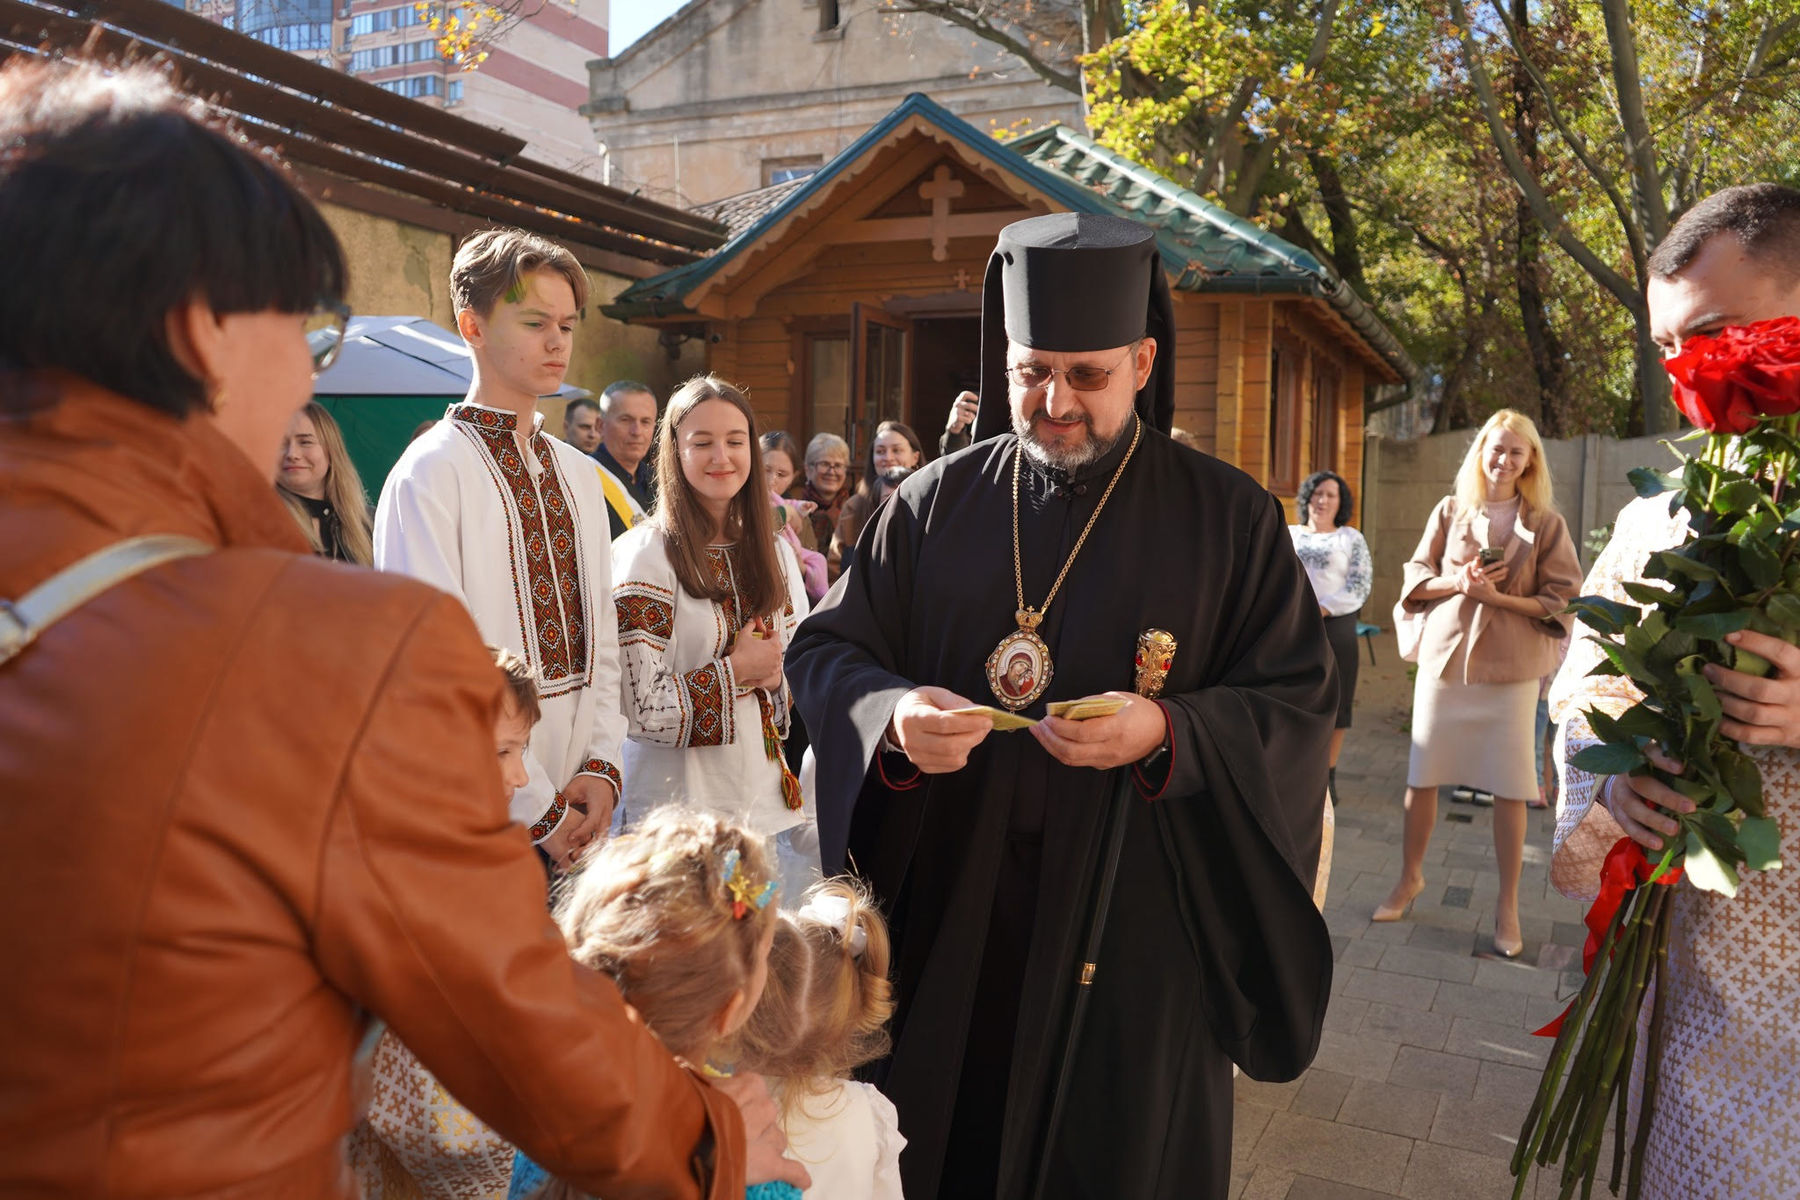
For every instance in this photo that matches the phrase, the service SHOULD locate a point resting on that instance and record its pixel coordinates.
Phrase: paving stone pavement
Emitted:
(1427, 1064)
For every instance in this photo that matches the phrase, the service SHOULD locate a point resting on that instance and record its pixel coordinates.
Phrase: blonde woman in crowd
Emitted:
(319, 484)
(1491, 575)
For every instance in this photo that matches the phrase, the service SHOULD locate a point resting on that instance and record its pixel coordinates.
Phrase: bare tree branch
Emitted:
(1640, 143)
(975, 20)
(1603, 176)
(1546, 213)
(1757, 63)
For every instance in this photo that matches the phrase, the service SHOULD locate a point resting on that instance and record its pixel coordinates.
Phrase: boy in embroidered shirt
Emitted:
(511, 521)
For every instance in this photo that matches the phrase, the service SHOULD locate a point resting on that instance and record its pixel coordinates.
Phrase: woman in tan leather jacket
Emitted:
(248, 796)
(1492, 574)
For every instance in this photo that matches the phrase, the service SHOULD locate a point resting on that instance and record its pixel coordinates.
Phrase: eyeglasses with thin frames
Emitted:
(325, 329)
(1037, 376)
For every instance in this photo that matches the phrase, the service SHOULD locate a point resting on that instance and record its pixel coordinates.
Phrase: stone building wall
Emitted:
(704, 105)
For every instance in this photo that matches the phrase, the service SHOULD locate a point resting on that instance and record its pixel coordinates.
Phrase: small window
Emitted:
(781, 170)
(828, 15)
(1325, 445)
(1286, 362)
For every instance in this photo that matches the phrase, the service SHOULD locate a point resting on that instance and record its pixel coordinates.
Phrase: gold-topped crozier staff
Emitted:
(1155, 656)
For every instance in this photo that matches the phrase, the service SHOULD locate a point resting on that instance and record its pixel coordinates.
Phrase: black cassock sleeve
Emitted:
(844, 664)
(1242, 811)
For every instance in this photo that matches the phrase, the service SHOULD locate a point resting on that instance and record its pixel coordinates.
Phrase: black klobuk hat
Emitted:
(1073, 282)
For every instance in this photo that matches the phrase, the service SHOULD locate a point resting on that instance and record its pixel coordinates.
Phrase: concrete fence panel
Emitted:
(1403, 480)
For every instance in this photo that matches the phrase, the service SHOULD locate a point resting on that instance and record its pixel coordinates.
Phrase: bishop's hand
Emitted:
(936, 741)
(1105, 742)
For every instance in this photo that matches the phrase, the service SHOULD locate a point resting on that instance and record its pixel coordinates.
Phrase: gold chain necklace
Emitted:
(1019, 669)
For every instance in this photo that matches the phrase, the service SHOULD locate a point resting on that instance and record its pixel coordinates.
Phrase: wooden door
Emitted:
(880, 345)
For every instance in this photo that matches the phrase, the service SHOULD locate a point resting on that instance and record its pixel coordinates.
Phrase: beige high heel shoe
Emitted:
(1388, 912)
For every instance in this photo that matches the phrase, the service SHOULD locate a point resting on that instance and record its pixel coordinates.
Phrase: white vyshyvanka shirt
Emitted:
(1339, 566)
(522, 540)
(696, 737)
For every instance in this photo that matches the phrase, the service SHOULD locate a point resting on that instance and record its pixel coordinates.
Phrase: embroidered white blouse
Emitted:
(1339, 566)
(696, 737)
(522, 540)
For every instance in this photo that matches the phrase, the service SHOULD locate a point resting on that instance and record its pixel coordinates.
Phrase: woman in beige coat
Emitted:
(1491, 575)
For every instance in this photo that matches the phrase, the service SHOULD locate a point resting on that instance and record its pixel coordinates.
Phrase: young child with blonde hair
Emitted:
(679, 913)
(824, 1012)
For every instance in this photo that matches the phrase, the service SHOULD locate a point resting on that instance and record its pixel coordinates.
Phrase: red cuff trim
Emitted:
(905, 783)
(553, 816)
(1154, 791)
(606, 771)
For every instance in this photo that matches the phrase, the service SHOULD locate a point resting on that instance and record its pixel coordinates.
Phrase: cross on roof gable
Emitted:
(1203, 247)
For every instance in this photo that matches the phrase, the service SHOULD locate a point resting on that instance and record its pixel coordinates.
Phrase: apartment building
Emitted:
(532, 83)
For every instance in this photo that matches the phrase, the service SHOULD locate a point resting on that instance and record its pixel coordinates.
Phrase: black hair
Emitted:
(580, 402)
(1765, 217)
(121, 200)
(1310, 484)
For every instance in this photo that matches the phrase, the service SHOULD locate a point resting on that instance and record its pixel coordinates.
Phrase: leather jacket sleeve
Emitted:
(431, 914)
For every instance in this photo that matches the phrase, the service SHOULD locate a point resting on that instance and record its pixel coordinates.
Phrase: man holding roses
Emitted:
(1724, 298)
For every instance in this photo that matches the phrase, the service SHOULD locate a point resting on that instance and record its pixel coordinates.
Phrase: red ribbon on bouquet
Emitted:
(1625, 868)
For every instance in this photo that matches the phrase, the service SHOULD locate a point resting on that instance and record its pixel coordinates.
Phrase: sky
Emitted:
(632, 19)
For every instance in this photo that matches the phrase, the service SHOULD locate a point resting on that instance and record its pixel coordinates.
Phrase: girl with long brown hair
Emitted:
(708, 599)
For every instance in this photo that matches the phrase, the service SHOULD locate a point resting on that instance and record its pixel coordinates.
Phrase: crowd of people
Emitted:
(534, 828)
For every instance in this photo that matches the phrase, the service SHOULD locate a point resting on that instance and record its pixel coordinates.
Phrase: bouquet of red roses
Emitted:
(1739, 568)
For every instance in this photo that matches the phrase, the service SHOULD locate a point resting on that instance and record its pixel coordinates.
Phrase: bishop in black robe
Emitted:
(1212, 951)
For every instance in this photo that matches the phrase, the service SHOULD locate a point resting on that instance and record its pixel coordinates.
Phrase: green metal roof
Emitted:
(1213, 250)
(1204, 248)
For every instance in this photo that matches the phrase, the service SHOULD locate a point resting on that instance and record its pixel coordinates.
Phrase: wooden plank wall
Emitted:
(1350, 431)
(1221, 358)
(1252, 452)
(1197, 368)
(759, 352)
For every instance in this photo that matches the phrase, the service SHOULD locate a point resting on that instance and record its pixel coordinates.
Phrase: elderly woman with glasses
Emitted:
(827, 474)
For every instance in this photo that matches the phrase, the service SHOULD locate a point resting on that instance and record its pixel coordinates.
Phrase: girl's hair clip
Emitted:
(834, 911)
(743, 891)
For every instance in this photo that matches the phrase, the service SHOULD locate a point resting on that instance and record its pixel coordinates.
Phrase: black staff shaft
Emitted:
(1088, 969)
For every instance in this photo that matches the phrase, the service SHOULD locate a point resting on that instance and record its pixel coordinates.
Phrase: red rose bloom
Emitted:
(1728, 382)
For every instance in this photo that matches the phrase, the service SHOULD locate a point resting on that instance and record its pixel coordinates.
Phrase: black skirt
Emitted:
(1341, 633)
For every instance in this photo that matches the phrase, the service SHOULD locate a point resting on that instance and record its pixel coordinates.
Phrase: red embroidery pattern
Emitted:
(705, 687)
(546, 825)
(644, 612)
(606, 771)
(719, 559)
(556, 618)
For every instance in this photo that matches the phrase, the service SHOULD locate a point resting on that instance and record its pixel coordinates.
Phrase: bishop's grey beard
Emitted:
(1063, 457)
